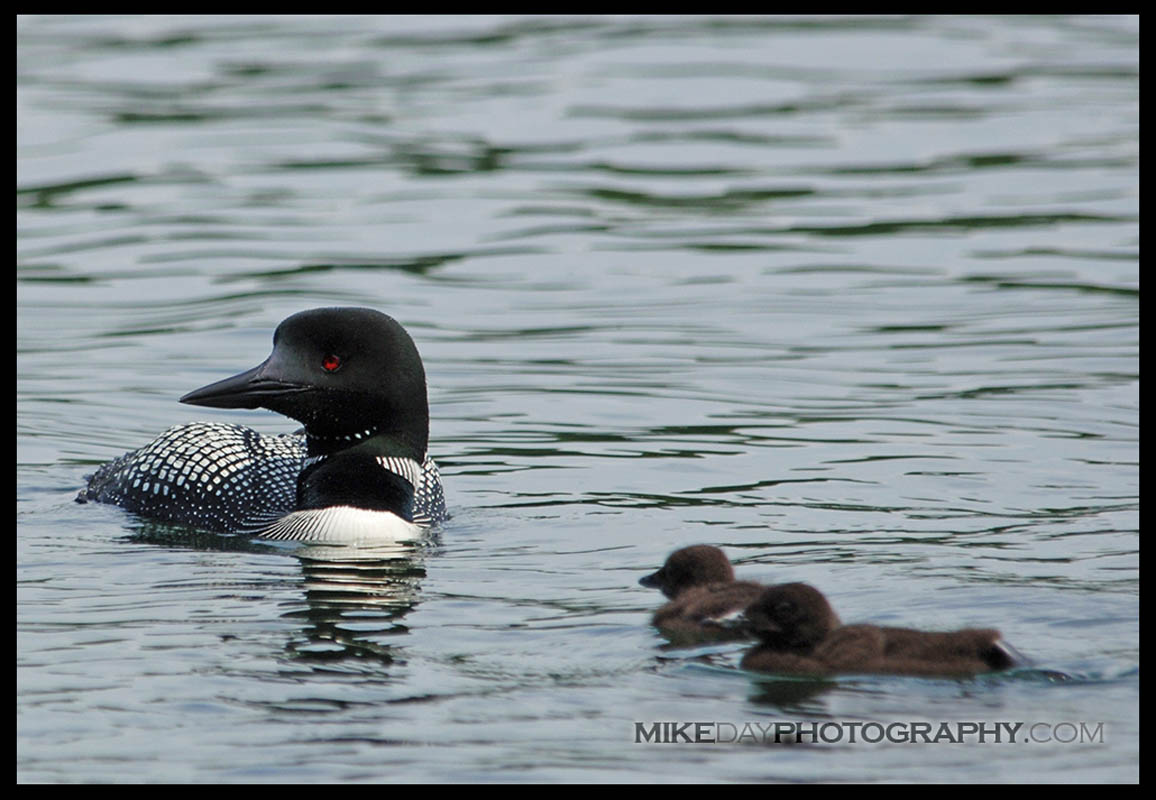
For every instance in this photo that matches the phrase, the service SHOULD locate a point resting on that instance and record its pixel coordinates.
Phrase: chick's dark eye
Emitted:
(331, 363)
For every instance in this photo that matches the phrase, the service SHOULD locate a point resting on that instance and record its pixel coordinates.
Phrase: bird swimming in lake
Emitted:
(800, 634)
(705, 599)
(358, 470)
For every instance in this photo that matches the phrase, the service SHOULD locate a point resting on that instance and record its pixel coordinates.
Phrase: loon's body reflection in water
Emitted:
(355, 596)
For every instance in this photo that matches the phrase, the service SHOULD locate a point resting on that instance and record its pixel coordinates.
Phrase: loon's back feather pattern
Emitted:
(230, 479)
(209, 475)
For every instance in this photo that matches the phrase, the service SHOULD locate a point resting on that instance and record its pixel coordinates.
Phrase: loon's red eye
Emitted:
(331, 363)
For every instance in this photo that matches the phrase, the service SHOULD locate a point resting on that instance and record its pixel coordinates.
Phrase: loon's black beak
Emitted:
(650, 581)
(251, 389)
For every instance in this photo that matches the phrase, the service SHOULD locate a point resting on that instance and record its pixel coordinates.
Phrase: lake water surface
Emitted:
(855, 299)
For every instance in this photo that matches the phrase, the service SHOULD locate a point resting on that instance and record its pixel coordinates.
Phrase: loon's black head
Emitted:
(340, 371)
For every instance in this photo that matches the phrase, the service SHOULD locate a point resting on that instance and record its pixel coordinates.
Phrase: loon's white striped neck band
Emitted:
(349, 437)
(407, 468)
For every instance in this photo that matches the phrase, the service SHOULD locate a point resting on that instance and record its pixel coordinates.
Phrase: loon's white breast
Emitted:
(344, 524)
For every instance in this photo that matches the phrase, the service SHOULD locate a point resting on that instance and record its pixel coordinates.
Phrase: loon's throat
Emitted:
(374, 441)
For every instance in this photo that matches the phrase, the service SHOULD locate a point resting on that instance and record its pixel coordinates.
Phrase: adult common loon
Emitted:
(359, 470)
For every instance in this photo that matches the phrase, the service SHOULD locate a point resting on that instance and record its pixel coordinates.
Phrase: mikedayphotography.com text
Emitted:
(859, 732)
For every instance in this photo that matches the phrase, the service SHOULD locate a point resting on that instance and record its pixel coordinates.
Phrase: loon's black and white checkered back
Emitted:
(229, 478)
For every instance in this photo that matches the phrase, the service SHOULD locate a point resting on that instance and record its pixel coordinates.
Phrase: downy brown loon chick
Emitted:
(705, 599)
(801, 635)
